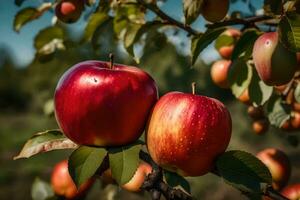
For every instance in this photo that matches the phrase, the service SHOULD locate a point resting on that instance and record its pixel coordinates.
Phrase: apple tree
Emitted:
(119, 128)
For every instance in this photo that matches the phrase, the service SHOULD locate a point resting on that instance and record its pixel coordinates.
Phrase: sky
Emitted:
(21, 44)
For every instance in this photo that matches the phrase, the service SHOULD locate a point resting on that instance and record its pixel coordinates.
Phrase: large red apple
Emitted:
(63, 184)
(101, 106)
(279, 165)
(292, 192)
(186, 132)
(275, 64)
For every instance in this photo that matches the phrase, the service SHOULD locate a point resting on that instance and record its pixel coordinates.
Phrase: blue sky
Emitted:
(21, 44)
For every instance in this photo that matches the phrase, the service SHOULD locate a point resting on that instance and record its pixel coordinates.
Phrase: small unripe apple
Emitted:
(69, 11)
(255, 112)
(186, 132)
(219, 73)
(63, 184)
(226, 51)
(260, 126)
(292, 192)
(104, 104)
(295, 121)
(245, 98)
(139, 177)
(275, 64)
(214, 10)
(279, 165)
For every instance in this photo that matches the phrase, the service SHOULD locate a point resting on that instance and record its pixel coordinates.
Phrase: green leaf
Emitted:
(49, 40)
(84, 162)
(24, 16)
(95, 20)
(297, 93)
(134, 32)
(223, 41)
(125, 15)
(244, 46)
(259, 92)
(41, 190)
(273, 7)
(239, 77)
(44, 142)
(175, 180)
(191, 10)
(278, 112)
(243, 171)
(289, 31)
(124, 162)
(200, 42)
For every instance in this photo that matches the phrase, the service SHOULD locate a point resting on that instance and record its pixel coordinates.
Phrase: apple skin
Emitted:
(69, 11)
(99, 106)
(292, 192)
(219, 73)
(256, 112)
(260, 126)
(214, 10)
(279, 165)
(139, 177)
(186, 132)
(275, 64)
(63, 184)
(226, 51)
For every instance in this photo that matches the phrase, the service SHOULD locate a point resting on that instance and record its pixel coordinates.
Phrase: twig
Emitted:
(171, 21)
(250, 21)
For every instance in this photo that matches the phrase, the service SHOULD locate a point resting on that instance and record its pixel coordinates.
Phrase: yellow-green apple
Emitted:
(279, 165)
(232, 36)
(292, 192)
(103, 104)
(275, 64)
(219, 73)
(186, 132)
(69, 11)
(63, 184)
(260, 126)
(214, 10)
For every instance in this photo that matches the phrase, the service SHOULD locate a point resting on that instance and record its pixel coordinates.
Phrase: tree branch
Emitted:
(250, 21)
(171, 21)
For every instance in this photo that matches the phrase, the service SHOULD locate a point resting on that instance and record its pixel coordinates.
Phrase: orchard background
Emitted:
(36, 50)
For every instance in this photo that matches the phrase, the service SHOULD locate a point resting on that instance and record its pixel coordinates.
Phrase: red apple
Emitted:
(279, 165)
(275, 64)
(69, 11)
(245, 98)
(63, 184)
(292, 192)
(260, 126)
(226, 51)
(97, 105)
(186, 132)
(139, 177)
(295, 120)
(214, 10)
(219, 73)
(256, 112)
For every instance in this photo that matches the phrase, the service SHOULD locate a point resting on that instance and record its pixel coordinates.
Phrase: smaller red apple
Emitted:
(279, 165)
(69, 11)
(226, 51)
(219, 73)
(63, 184)
(255, 112)
(260, 126)
(292, 192)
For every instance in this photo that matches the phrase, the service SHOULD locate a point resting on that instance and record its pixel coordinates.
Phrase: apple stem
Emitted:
(111, 58)
(193, 87)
